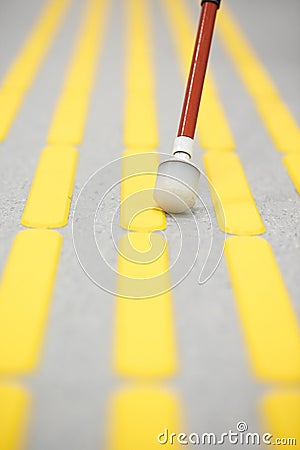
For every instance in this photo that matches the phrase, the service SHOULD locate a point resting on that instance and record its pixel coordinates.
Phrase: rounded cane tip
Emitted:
(176, 185)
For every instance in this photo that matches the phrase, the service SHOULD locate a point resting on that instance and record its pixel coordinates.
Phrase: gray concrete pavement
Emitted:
(71, 389)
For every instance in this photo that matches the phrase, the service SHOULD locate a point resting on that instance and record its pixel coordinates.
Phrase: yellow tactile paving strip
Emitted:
(143, 258)
(29, 274)
(278, 120)
(275, 115)
(281, 416)
(241, 214)
(25, 292)
(144, 335)
(211, 111)
(14, 406)
(213, 137)
(138, 415)
(138, 209)
(234, 195)
(68, 123)
(268, 320)
(67, 127)
(292, 164)
(30, 271)
(144, 342)
(267, 317)
(140, 130)
(50, 195)
(69, 118)
(23, 71)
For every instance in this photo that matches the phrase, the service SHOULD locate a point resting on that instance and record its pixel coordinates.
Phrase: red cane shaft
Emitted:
(194, 87)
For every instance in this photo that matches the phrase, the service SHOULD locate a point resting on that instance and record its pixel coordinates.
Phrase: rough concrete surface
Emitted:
(71, 389)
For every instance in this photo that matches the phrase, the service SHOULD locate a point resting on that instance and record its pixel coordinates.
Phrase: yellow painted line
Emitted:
(140, 122)
(268, 320)
(235, 207)
(68, 124)
(292, 164)
(144, 335)
(213, 127)
(23, 71)
(275, 114)
(139, 415)
(281, 416)
(25, 292)
(138, 209)
(14, 405)
(49, 199)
